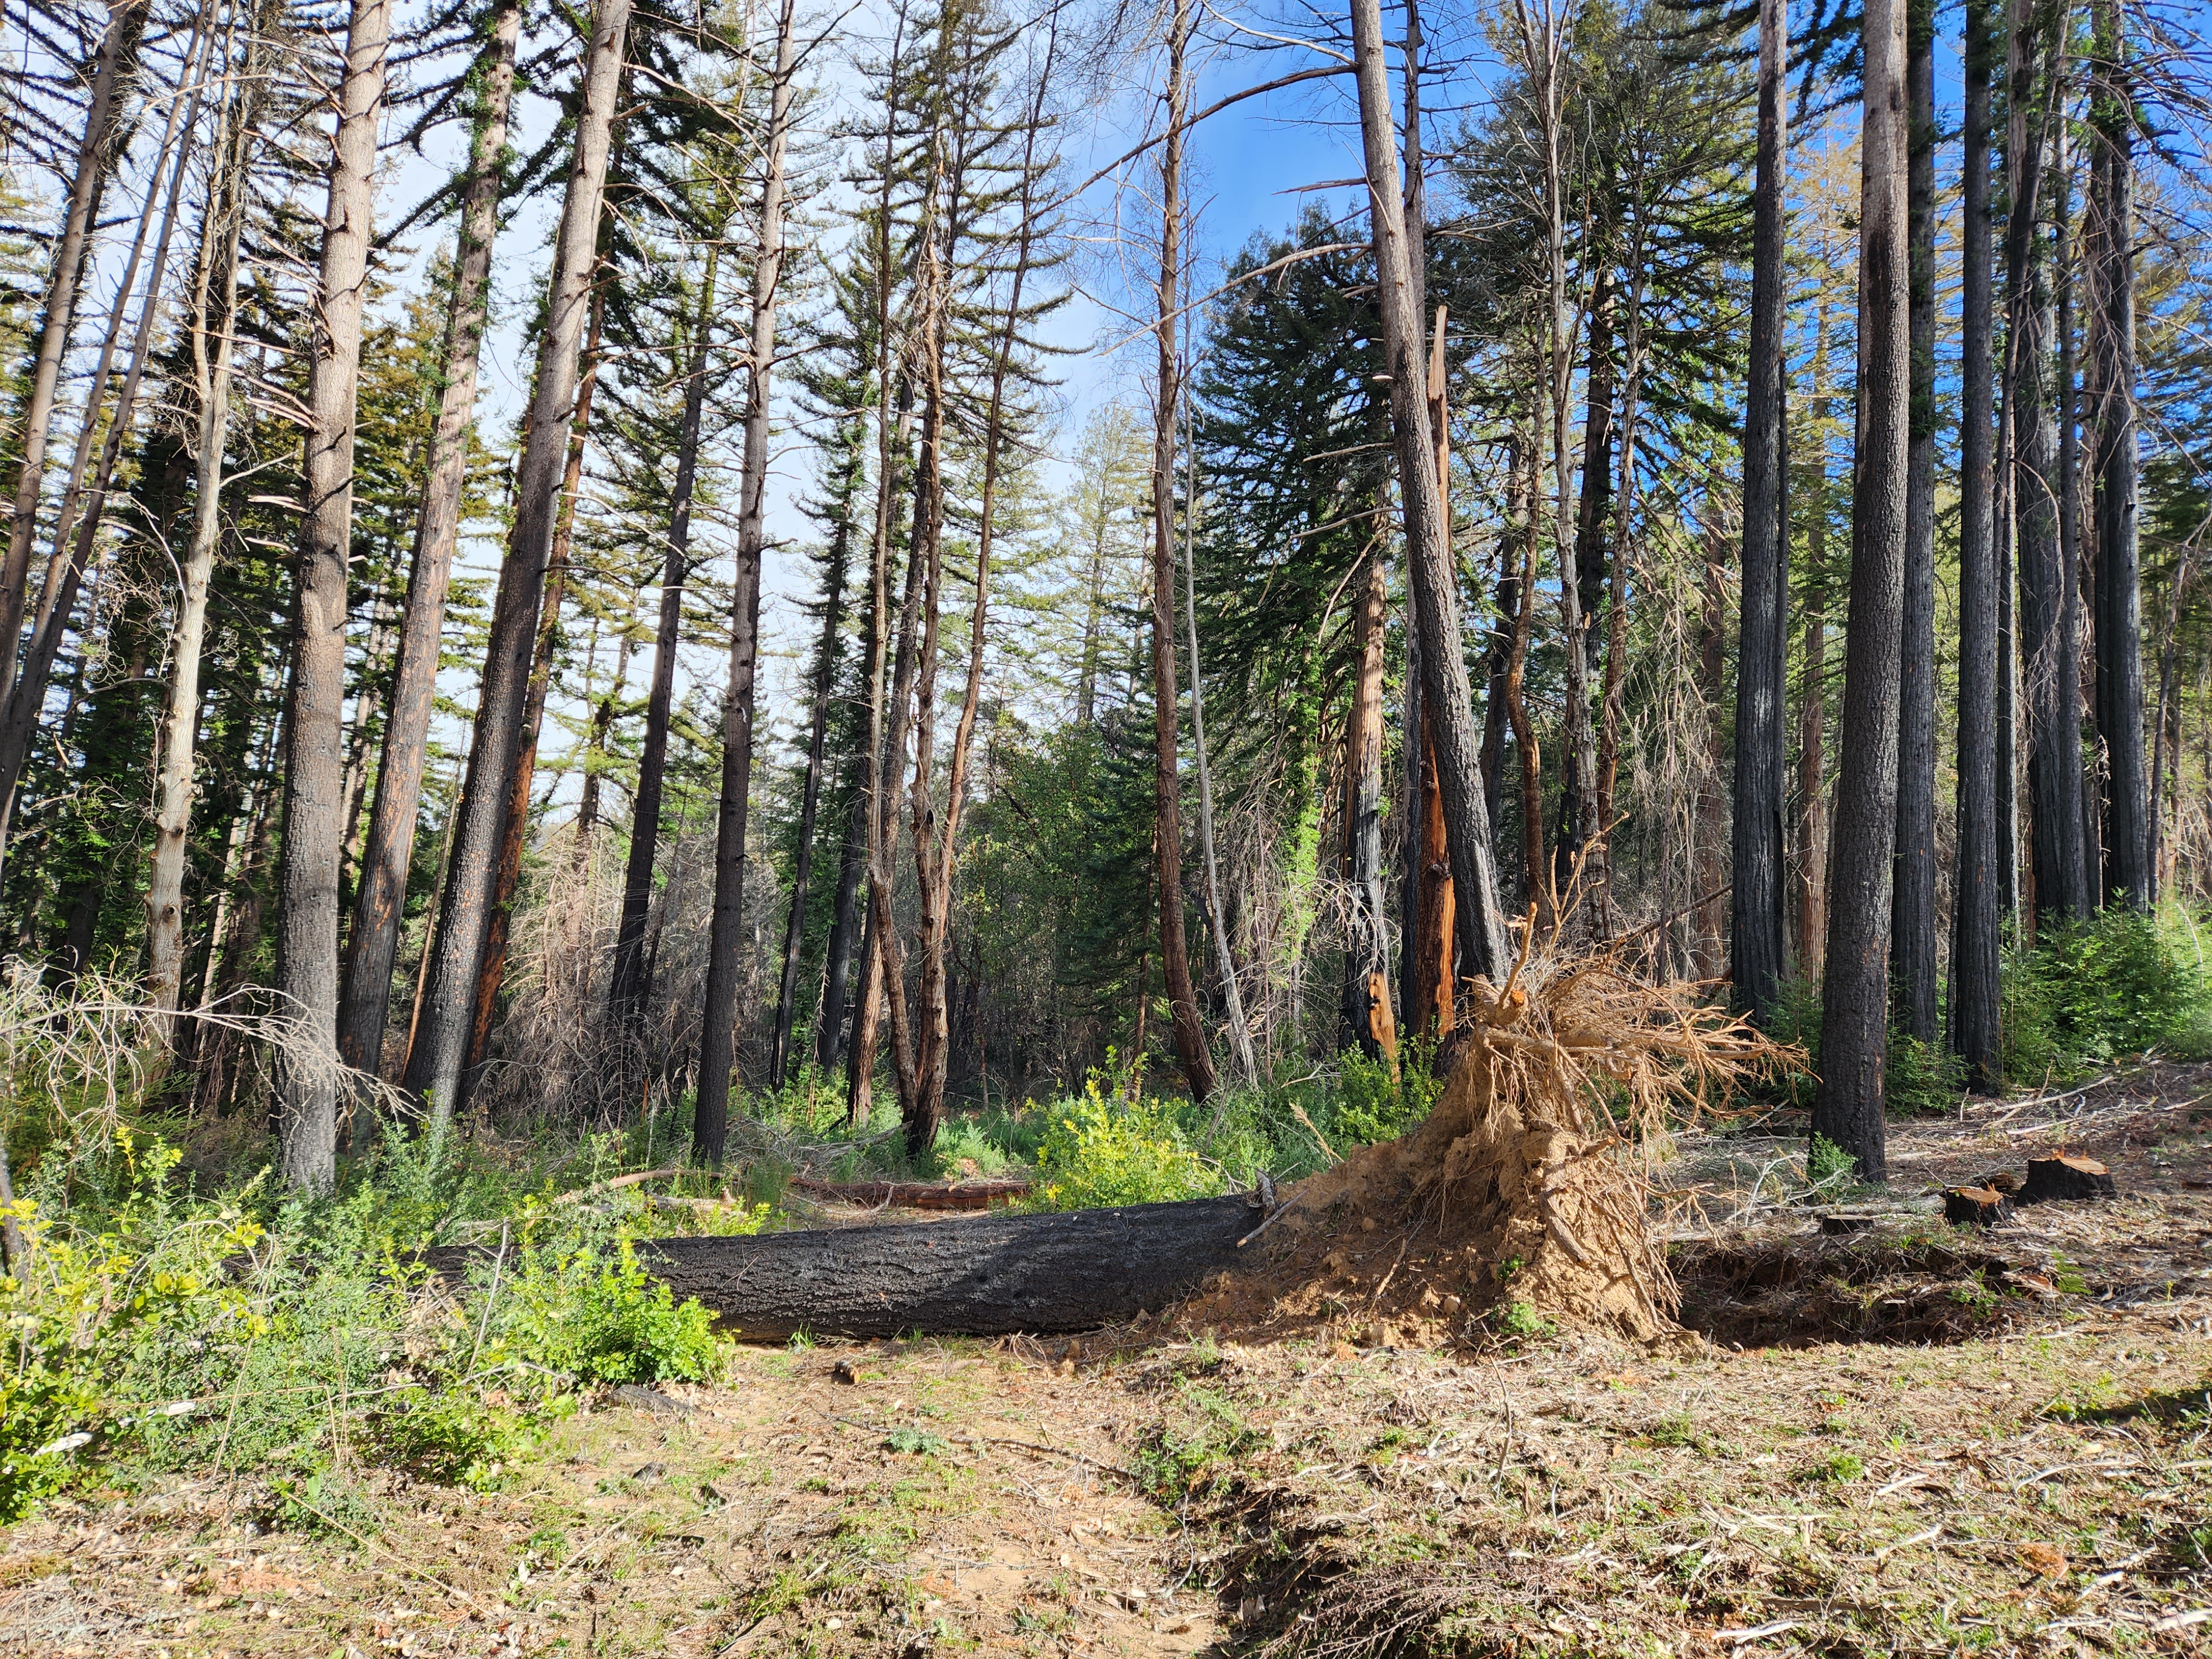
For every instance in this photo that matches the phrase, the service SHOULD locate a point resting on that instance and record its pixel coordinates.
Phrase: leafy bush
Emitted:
(2089, 993)
(1921, 1079)
(1375, 1101)
(594, 1313)
(1101, 1149)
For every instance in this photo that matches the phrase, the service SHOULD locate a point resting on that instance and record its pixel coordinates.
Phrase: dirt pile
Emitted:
(1522, 1200)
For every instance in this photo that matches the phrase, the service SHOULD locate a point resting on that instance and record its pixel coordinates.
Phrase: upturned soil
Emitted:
(1891, 1436)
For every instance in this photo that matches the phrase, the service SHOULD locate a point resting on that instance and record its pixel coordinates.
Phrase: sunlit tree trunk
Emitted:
(440, 1051)
(372, 940)
(308, 867)
(1448, 700)
(1847, 1107)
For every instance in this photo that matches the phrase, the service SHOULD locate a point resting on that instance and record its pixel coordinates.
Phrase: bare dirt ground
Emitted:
(1902, 1439)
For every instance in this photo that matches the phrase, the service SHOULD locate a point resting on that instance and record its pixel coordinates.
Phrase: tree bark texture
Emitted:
(1447, 697)
(2049, 667)
(1175, 951)
(1915, 977)
(1429, 968)
(1847, 1108)
(380, 900)
(313, 846)
(2130, 876)
(1977, 901)
(725, 930)
(216, 297)
(440, 1051)
(1757, 906)
(986, 1275)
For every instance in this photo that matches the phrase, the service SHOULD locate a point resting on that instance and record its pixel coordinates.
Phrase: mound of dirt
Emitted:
(1504, 1207)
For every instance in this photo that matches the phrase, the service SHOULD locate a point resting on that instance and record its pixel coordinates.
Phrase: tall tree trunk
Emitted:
(1448, 699)
(315, 754)
(2131, 875)
(826, 653)
(1914, 974)
(440, 1051)
(2050, 666)
(1430, 967)
(1175, 953)
(96, 158)
(1977, 901)
(380, 902)
(2079, 691)
(626, 996)
(514, 816)
(1426, 951)
(881, 971)
(844, 930)
(1847, 1108)
(1756, 905)
(1241, 1047)
(1521, 516)
(1813, 710)
(725, 931)
(601, 730)
(214, 309)
(1611, 708)
(1367, 1015)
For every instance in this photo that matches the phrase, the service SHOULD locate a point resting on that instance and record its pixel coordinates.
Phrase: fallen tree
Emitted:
(986, 1275)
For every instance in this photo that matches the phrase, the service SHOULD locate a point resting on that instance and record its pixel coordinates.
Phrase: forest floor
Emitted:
(1902, 1439)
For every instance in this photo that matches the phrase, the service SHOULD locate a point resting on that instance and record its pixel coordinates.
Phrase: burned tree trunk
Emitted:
(986, 1275)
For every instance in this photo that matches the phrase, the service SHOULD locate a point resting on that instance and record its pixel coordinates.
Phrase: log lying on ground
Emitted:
(913, 1195)
(987, 1275)
(2068, 1175)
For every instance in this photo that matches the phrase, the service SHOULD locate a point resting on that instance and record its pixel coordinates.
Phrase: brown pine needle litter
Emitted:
(1524, 1200)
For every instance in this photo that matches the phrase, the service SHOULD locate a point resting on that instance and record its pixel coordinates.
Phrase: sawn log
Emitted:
(986, 1275)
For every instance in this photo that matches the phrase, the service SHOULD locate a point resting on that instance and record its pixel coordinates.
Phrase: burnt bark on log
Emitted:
(978, 1276)
(1979, 1206)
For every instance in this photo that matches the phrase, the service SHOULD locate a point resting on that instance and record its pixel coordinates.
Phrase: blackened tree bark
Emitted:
(725, 930)
(2130, 875)
(440, 1051)
(2050, 666)
(315, 754)
(1756, 907)
(1167, 783)
(626, 994)
(1847, 1108)
(372, 940)
(96, 158)
(1977, 900)
(1914, 975)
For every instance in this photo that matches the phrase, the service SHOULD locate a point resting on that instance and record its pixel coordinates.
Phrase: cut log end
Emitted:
(1976, 1207)
(2068, 1177)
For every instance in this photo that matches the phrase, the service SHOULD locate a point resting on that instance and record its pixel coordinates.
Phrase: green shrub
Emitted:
(1921, 1079)
(593, 1313)
(1101, 1149)
(1375, 1102)
(2087, 994)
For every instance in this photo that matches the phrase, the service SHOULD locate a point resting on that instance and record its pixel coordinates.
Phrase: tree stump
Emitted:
(1977, 1206)
(2069, 1176)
